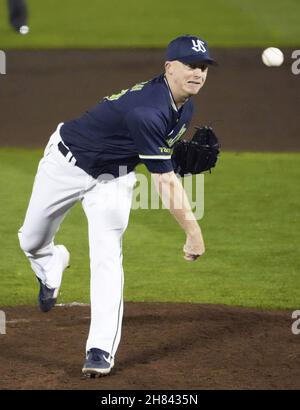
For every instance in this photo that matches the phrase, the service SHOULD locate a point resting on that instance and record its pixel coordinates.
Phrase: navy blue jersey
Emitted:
(140, 124)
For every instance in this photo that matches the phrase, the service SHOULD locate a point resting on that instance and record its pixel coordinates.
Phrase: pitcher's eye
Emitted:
(202, 66)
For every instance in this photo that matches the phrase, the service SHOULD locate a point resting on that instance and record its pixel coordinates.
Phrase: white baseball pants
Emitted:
(57, 187)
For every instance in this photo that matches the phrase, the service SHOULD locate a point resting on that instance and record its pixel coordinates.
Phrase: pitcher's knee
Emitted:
(25, 244)
(29, 244)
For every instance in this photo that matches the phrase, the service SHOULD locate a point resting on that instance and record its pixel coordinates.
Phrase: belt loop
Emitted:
(66, 153)
(69, 156)
(73, 160)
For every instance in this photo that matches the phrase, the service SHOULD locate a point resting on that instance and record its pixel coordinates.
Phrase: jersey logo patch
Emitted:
(171, 141)
(198, 46)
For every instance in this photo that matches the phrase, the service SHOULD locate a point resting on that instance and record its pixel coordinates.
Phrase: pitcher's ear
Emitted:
(169, 67)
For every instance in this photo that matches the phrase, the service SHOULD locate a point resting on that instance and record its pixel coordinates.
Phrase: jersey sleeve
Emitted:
(148, 128)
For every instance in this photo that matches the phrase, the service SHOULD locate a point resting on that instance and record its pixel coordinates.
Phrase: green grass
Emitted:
(152, 23)
(250, 225)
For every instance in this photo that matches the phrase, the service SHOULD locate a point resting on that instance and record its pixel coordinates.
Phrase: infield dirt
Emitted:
(164, 346)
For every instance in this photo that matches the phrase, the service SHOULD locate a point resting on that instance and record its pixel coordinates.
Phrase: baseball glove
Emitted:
(197, 155)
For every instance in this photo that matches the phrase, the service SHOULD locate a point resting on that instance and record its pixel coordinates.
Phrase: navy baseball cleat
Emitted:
(47, 296)
(98, 363)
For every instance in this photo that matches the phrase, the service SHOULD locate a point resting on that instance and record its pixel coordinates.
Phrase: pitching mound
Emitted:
(163, 346)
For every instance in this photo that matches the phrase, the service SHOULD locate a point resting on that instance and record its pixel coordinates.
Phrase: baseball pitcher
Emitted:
(91, 159)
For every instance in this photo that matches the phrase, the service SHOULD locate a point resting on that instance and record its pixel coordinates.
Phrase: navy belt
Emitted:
(66, 153)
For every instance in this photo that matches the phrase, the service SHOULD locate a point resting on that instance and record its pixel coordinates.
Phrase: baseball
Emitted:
(272, 57)
(24, 30)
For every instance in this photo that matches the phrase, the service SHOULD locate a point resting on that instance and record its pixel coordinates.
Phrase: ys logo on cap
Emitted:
(198, 46)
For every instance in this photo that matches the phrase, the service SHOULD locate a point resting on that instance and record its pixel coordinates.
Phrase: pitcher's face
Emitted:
(186, 79)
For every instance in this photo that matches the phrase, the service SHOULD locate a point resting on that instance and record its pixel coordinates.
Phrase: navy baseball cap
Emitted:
(189, 49)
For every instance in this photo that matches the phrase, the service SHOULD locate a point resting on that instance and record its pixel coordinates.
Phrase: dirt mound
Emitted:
(163, 346)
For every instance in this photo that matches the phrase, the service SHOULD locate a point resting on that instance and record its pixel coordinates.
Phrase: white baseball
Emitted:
(272, 57)
(24, 30)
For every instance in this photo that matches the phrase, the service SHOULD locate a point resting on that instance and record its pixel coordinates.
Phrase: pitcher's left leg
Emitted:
(107, 207)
